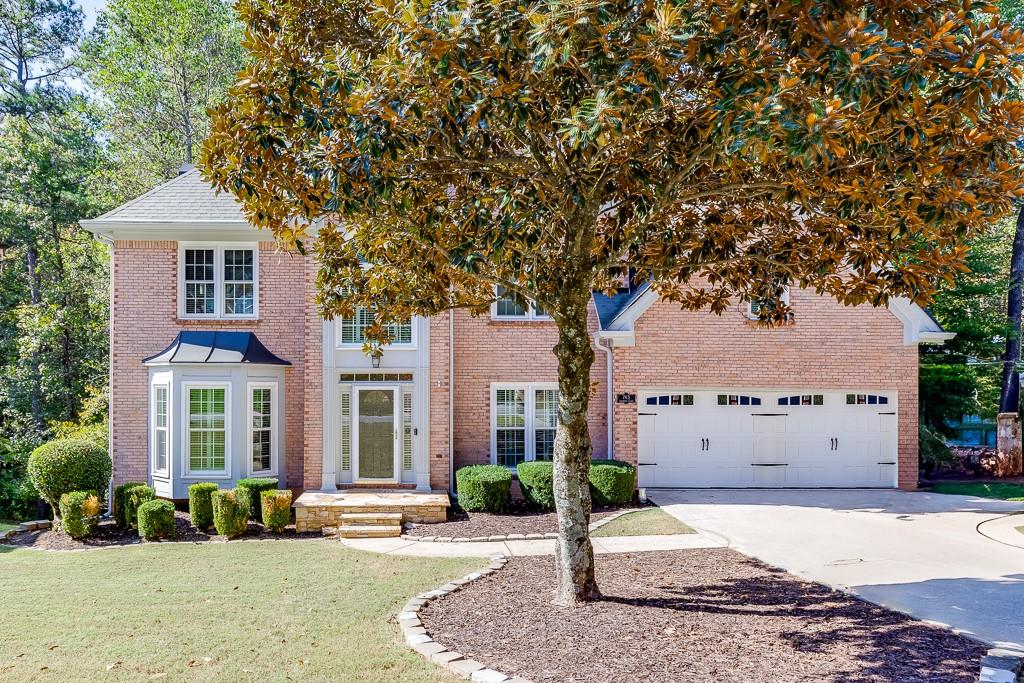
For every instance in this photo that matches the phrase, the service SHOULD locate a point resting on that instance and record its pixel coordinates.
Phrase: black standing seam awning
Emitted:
(196, 346)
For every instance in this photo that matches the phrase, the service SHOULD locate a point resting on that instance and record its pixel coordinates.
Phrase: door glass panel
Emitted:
(377, 433)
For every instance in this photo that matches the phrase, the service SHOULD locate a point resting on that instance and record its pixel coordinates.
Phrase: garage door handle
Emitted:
(645, 464)
(886, 463)
(892, 413)
(651, 414)
(769, 464)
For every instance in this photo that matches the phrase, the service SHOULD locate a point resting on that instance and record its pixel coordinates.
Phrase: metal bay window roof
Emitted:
(205, 347)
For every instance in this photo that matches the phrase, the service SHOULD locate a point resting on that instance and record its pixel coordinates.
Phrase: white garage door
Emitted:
(766, 438)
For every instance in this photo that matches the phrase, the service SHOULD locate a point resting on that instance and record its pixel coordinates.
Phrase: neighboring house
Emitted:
(222, 368)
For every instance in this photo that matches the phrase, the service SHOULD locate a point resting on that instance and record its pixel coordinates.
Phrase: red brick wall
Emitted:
(144, 321)
(828, 346)
(440, 437)
(489, 351)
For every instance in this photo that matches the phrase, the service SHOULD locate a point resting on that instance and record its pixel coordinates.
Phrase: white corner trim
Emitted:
(628, 316)
(618, 337)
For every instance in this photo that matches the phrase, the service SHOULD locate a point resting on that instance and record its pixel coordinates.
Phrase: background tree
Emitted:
(36, 41)
(158, 66)
(721, 150)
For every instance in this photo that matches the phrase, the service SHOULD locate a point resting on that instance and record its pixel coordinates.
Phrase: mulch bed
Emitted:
(107, 534)
(691, 616)
(517, 520)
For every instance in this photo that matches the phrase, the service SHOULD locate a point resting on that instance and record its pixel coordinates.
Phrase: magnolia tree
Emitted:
(719, 149)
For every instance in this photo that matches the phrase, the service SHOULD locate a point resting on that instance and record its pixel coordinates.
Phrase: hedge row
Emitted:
(485, 488)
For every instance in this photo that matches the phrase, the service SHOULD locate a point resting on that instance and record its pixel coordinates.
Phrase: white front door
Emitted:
(376, 425)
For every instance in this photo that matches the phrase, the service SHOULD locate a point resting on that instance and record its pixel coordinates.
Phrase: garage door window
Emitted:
(802, 400)
(738, 400)
(866, 399)
(670, 400)
(525, 419)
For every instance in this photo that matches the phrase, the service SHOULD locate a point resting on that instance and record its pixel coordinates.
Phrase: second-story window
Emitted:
(353, 329)
(218, 282)
(506, 307)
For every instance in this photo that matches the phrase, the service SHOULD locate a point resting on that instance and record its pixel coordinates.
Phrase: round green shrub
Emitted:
(79, 513)
(133, 500)
(200, 504)
(483, 488)
(231, 512)
(256, 486)
(66, 465)
(119, 502)
(536, 480)
(611, 482)
(277, 509)
(156, 519)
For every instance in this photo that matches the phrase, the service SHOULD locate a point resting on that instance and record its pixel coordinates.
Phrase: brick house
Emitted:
(221, 368)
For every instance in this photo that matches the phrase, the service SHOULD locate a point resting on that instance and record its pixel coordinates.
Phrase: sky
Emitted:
(91, 7)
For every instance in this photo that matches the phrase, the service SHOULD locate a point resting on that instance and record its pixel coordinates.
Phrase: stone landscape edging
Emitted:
(498, 538)
(1002, 665)
(26, 526)
(423, 644)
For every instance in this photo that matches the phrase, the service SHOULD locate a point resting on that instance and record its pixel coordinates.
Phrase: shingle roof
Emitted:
(195, 346)
(609, 307)
(186, 198)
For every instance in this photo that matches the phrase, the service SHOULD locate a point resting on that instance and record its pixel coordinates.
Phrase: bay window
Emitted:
(206, 433)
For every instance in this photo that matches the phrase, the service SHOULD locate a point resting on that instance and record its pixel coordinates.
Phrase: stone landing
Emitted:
(315, 510)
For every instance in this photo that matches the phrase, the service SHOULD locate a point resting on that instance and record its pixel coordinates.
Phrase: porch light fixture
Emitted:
(375, 360)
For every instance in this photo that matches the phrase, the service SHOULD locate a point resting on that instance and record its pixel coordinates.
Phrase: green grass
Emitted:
(4, 526)
(651, 522)
(1020, 529)
(252, 611)
(1005, 491)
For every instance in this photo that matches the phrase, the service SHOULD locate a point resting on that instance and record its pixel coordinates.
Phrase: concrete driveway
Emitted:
(918, 553)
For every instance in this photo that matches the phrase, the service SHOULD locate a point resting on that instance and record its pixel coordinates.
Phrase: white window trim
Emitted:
(186, 468)
(166, 470)
(275, 437)
(750, 305)
(411, 346)
(531, 311)
(218, 280)
(530, 426)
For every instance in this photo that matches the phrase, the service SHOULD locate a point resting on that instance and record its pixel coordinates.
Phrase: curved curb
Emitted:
(992, 530)
(500, 538)
(423, 644)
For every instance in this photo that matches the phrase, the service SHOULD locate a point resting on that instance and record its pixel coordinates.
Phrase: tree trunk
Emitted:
(1009, 399)
(574, 554)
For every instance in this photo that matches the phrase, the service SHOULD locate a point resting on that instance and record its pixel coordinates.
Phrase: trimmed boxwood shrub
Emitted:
(200, 504)
(611, 482)
(535, 479)
(156, 519)
(277, 509)
(483, 488)
(133, 500)
(79, 513)
(119, 504)
(231, 512)
(67, 465)
(255, 487)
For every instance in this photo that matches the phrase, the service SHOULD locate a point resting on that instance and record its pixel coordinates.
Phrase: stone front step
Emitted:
(370, 531)
(315, 510)
(370, 519)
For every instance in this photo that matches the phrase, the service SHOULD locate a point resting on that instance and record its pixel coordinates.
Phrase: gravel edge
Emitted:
(594, 526)
(423, 644)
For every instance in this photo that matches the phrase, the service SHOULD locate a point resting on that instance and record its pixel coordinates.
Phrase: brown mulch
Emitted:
(692, 616)
(107, 534)
(517, 520)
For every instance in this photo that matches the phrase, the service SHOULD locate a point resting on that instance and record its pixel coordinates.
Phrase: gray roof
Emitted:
(609, 307)
(186, 198)
(195, 346)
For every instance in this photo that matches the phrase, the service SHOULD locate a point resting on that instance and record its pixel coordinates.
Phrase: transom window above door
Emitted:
(218, 281)
(524, 419)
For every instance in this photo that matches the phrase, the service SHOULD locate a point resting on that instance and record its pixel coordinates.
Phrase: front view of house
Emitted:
(222, 368)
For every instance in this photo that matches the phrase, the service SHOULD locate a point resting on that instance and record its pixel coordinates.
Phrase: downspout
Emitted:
(451, 399)
(609, 362)
(109, 241)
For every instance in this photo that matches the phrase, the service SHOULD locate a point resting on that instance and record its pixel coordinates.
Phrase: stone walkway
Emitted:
(607, 544)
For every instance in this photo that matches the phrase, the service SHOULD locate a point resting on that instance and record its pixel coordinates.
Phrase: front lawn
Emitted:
(650, 522)
(4, 526)
(1003, 490)
(261, 611)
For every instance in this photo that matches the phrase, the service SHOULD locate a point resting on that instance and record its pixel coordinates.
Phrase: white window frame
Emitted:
(275, 437)
(411, 346)
(218, 280)
(750, 305)
(530, 314)
(530, 427)
(186, 459)
(164, 471)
